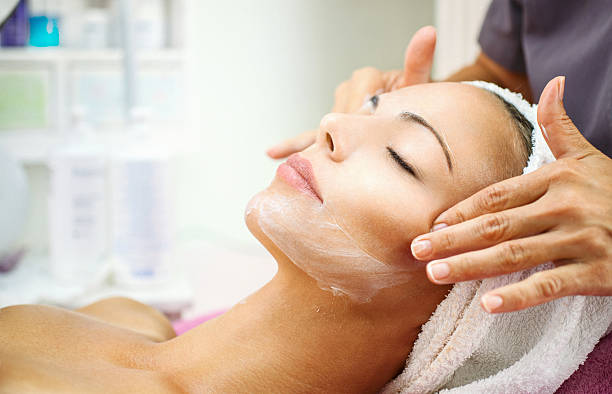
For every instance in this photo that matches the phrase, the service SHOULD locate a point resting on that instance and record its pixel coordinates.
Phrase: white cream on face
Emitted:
(307, 232)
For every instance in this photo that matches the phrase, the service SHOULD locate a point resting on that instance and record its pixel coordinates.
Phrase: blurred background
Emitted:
(133, 132)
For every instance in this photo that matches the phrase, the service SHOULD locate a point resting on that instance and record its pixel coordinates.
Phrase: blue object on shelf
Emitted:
(44, 31)
(15, 30)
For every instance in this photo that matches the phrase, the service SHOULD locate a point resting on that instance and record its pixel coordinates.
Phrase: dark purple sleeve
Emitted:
(500, 35)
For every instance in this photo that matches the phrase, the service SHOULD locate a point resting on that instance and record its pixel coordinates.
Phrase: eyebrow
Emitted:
(412, 117)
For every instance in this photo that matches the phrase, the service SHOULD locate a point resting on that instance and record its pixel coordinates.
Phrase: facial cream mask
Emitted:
(307, 232)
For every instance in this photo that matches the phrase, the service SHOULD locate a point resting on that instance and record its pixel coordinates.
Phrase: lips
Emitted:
(297, 172)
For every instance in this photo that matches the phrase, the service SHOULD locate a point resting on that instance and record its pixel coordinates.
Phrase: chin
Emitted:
(251, 218)
(278, 208)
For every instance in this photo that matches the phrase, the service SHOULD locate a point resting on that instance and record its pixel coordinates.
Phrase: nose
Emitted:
(336, 136)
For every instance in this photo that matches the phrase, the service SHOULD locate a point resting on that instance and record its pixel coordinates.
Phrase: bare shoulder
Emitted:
(132, 315)
(49, 349)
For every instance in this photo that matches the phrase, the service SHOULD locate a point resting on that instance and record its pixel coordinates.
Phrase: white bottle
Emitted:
(71, 20)
(95, 24)
(149, 25)
(142, 205)
(78, 239)
(147, 22)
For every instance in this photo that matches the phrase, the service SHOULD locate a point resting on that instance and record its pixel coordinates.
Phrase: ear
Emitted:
(562, 136)
(418, 58)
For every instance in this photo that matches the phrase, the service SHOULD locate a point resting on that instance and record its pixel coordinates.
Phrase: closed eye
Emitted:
(374, 101)
(371, 104)
(398, 159)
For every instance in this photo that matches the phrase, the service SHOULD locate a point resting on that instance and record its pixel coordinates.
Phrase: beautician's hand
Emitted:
(350, 95)
(561, 213)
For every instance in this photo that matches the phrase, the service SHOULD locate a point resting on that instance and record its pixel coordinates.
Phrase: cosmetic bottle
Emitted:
(85, 24)
(44, 23)
(78, 236)
(16, 28)
(14, 201)
(149, 24)
(142, 205)
(95, 28)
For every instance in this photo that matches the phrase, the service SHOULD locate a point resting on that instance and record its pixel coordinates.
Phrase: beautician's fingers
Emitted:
(570, 279)
(418, 58)
(350, 95)
(562, 136)
(485, 231)
(292, 145)
(566, 143)
(507, 194)
(567, 203)
(504, 258)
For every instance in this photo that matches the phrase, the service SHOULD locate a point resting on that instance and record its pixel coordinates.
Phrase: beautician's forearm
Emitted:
(471, 72)
(486, 69)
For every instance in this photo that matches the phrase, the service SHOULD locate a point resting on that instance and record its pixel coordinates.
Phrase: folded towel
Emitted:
(592, 377)
(182, 326)
(463, 349)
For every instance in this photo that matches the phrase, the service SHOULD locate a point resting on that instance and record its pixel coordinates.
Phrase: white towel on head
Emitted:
(463, 349)
(541, 153)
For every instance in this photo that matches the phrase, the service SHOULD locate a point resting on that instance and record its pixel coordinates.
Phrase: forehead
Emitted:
(446, 103)
(473, 122)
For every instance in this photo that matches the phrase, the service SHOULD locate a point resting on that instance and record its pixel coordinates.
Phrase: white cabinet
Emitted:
(39, 86)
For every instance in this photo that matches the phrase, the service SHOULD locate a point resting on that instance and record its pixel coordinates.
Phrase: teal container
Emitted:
(44, 31)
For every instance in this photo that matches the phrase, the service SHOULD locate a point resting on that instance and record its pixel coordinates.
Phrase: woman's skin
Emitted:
(291, 336)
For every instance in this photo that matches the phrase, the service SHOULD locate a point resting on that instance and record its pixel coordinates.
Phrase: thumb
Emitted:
(562, 136)
(418, 57)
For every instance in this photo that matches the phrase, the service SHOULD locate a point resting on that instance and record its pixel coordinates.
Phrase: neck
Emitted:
(292, 336)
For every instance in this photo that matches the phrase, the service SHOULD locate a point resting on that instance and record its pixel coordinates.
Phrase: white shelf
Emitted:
(207, 276)
(31, 282)
(58, 54)
(30, 147)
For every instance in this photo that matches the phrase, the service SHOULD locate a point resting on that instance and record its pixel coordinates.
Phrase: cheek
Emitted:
(299, 228)
(381, 213)
(384, 228)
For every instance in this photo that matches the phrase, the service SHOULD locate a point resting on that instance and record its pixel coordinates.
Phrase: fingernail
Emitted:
(438, 226)
(491, 302)
(544, 131)
(560, 88)
(438, 271)
(421, 248)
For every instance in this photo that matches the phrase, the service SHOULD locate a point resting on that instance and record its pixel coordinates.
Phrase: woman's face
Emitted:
(379, 178)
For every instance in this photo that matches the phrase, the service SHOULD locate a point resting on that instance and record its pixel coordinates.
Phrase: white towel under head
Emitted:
(463, 349)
